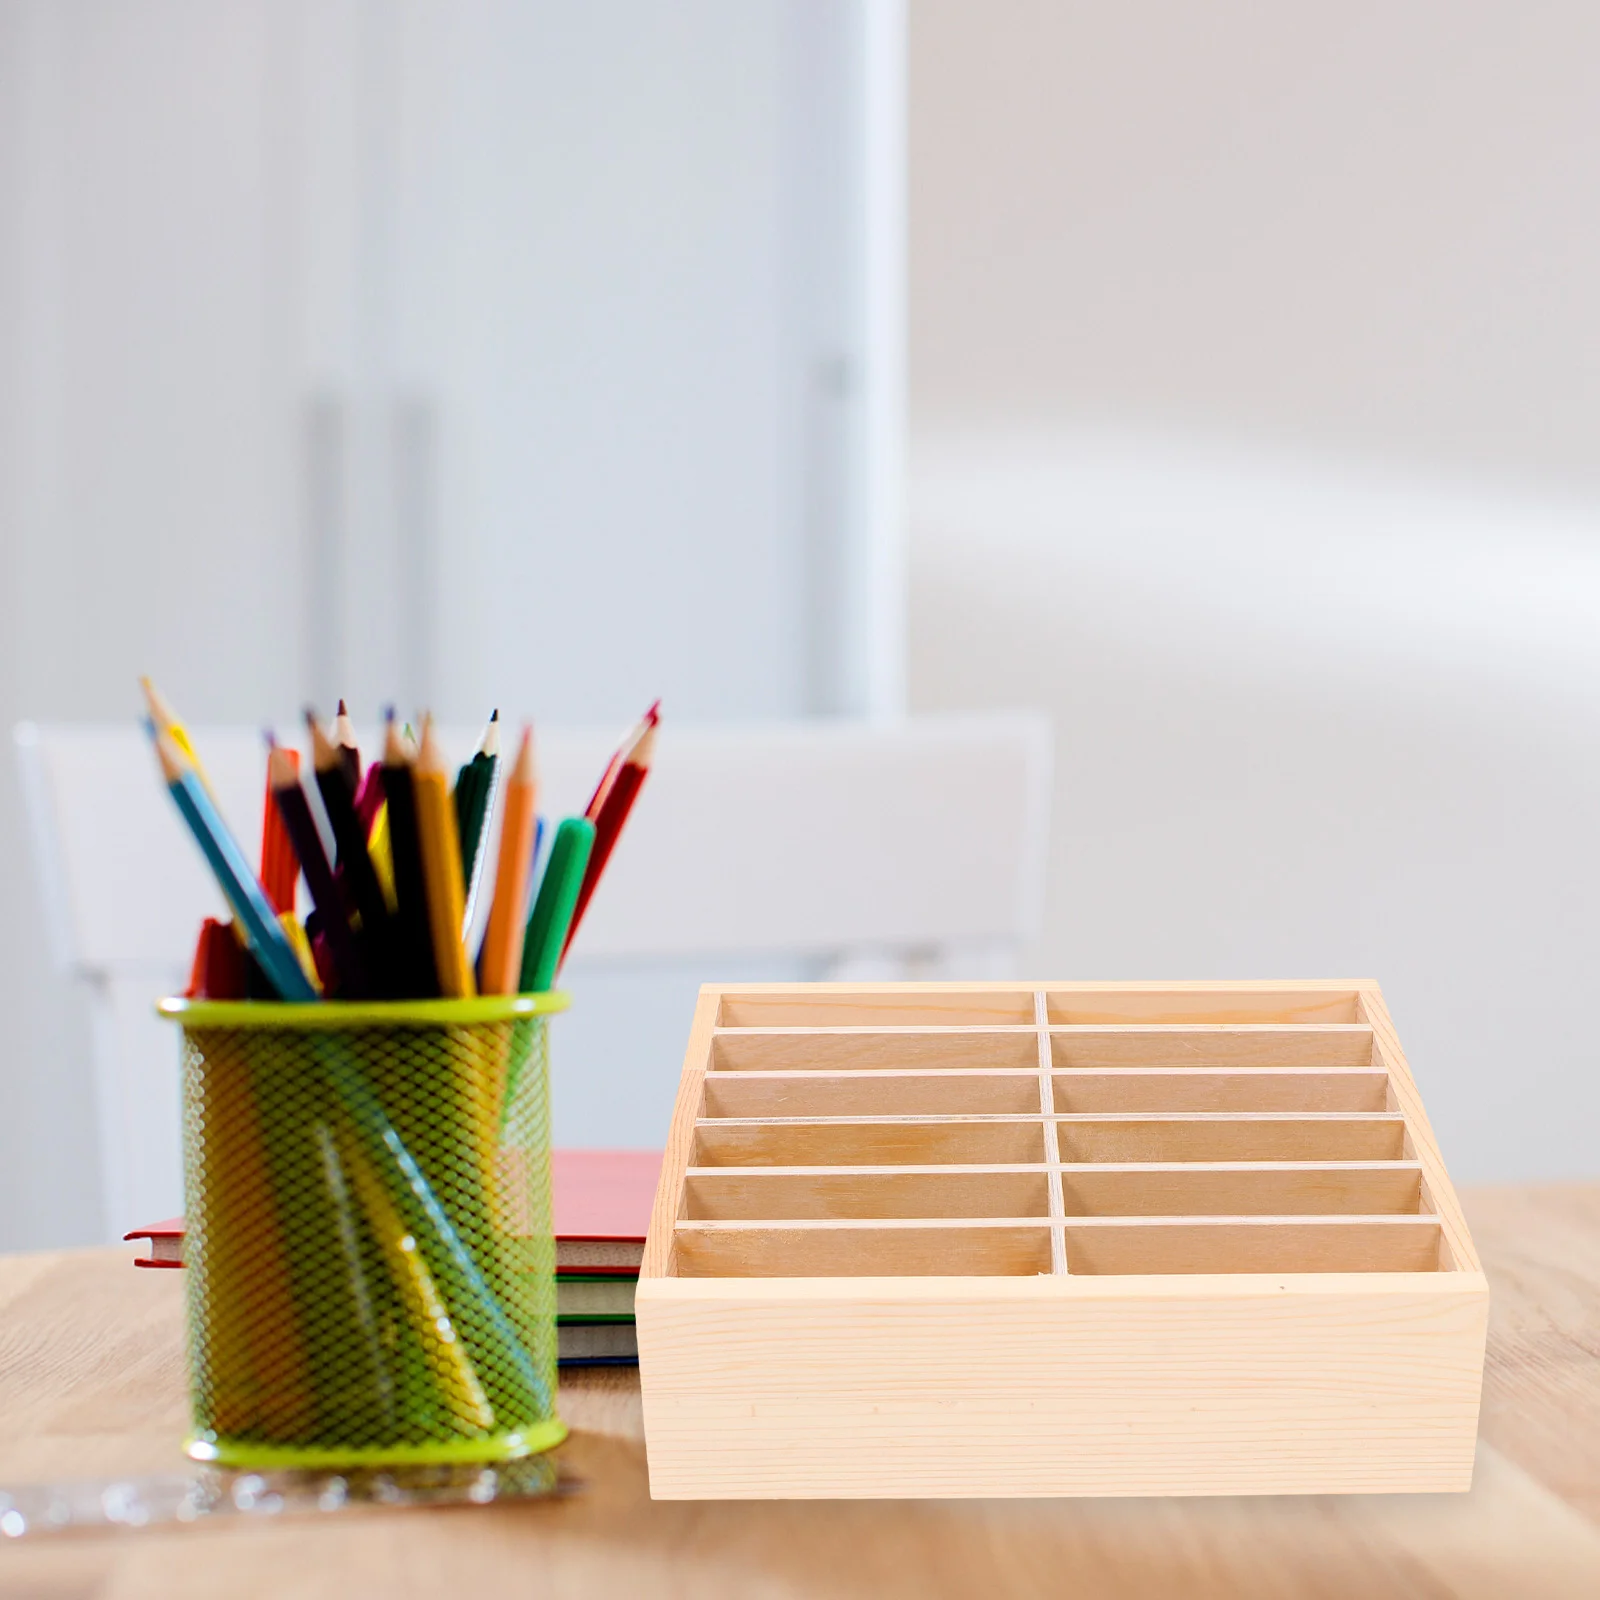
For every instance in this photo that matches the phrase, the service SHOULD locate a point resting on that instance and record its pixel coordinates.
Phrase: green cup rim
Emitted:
(308, 1015)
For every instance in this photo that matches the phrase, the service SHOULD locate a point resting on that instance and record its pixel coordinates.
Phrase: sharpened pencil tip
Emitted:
(653, 715)
(344, 710)
(270, 737)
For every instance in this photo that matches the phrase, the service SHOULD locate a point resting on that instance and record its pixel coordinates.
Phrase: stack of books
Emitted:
(602, 1213)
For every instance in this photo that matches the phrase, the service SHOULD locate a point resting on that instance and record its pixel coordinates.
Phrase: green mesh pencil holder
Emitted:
(368, 1233)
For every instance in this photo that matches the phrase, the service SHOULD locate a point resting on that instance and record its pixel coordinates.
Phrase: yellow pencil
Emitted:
(441, 866)
(166, 721)
(502, 942)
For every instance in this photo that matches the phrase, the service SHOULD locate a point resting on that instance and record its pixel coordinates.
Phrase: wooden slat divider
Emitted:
(1280, 1244)
(868, 1091)
(1261, 1044)
(1052, 1148)
(1103, 1091)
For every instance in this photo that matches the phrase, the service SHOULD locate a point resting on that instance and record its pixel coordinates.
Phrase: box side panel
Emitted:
(680, 1139)
(801, 1389)
(1462, 1254)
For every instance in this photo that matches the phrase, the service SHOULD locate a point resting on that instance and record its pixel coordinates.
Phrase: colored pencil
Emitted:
(608, 825)
(546, 937)
(474, 797)
(344, 735)
(280, 868)
(239, 884)
(441, 867)
(501, 961)
(634, 734)
(540, 829)
(290, 802)
(369, 797)
(414, 935)
(167, 720)
(355, 862)
(218, 971)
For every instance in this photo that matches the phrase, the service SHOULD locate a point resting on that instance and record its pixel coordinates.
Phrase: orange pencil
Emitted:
(500, 964)
(441, 866)
(280, 866)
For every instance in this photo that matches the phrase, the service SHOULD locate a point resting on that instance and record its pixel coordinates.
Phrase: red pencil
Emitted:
(614, 766)
(280, 866)
(615, 805)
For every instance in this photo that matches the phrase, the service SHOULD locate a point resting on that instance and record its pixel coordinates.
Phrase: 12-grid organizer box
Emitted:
(1055, 1239)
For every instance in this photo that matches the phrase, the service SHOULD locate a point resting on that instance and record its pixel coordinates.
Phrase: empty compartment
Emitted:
(1122, 1089)
(756, 1193)
(825, 1143)
(870, 1094)
(1232, 1138)
(860, 1250)
(889, 1007)
(924, 1050)
(1238, 1191)
(1237, 1044)
(1239, 1004)
(1357, 1244)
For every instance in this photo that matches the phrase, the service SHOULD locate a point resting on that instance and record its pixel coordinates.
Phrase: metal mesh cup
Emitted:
(368, 1233)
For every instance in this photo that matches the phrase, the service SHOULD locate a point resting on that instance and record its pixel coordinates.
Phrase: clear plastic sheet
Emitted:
(204, 1493)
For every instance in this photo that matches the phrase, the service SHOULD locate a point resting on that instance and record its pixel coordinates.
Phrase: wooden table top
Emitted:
(91, 1386)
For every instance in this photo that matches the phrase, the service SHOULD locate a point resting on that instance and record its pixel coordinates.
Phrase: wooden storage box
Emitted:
(1055, 1239)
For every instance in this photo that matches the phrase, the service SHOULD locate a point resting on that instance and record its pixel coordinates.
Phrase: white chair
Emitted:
(835, 849)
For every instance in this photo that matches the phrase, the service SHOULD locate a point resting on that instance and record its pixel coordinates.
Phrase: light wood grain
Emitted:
(1092, 1385)
(679, 1154)
(871, 1092)
(839, 1049)
(1232, 1137)
(868, 1142)
(825, 1005)
(1216, 1134)
(1541, 1395)
(1258, 1244)
(746, 1193)
(1110, 1090)
(1259, 1044)
(91, 1385)
(1436, 1183)
(1241, 1188)
(907, 1247)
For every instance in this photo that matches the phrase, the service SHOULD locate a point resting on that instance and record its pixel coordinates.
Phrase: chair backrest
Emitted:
(908, 847)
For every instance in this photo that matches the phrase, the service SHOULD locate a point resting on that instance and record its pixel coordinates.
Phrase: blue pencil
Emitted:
(533, 867)
(239, 883)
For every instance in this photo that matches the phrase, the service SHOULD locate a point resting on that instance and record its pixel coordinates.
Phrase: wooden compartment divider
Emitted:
(922, 1180)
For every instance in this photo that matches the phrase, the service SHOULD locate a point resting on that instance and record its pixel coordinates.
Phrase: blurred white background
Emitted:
(466, 354)
(552, 355)
(1253, 358)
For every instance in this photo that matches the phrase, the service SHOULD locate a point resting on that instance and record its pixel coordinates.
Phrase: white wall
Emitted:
(485, 353)
(1308, 724)
(1362, 228)
(1252, 355)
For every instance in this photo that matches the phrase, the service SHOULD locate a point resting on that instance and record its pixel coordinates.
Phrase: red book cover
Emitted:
(602, 1197)
(604, 1194)
(166, 1243)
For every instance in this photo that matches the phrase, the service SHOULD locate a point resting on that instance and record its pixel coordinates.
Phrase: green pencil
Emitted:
(552, 910)
(475, 786)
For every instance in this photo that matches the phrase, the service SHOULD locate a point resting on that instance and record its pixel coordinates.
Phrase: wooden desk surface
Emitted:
(91, 1385)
